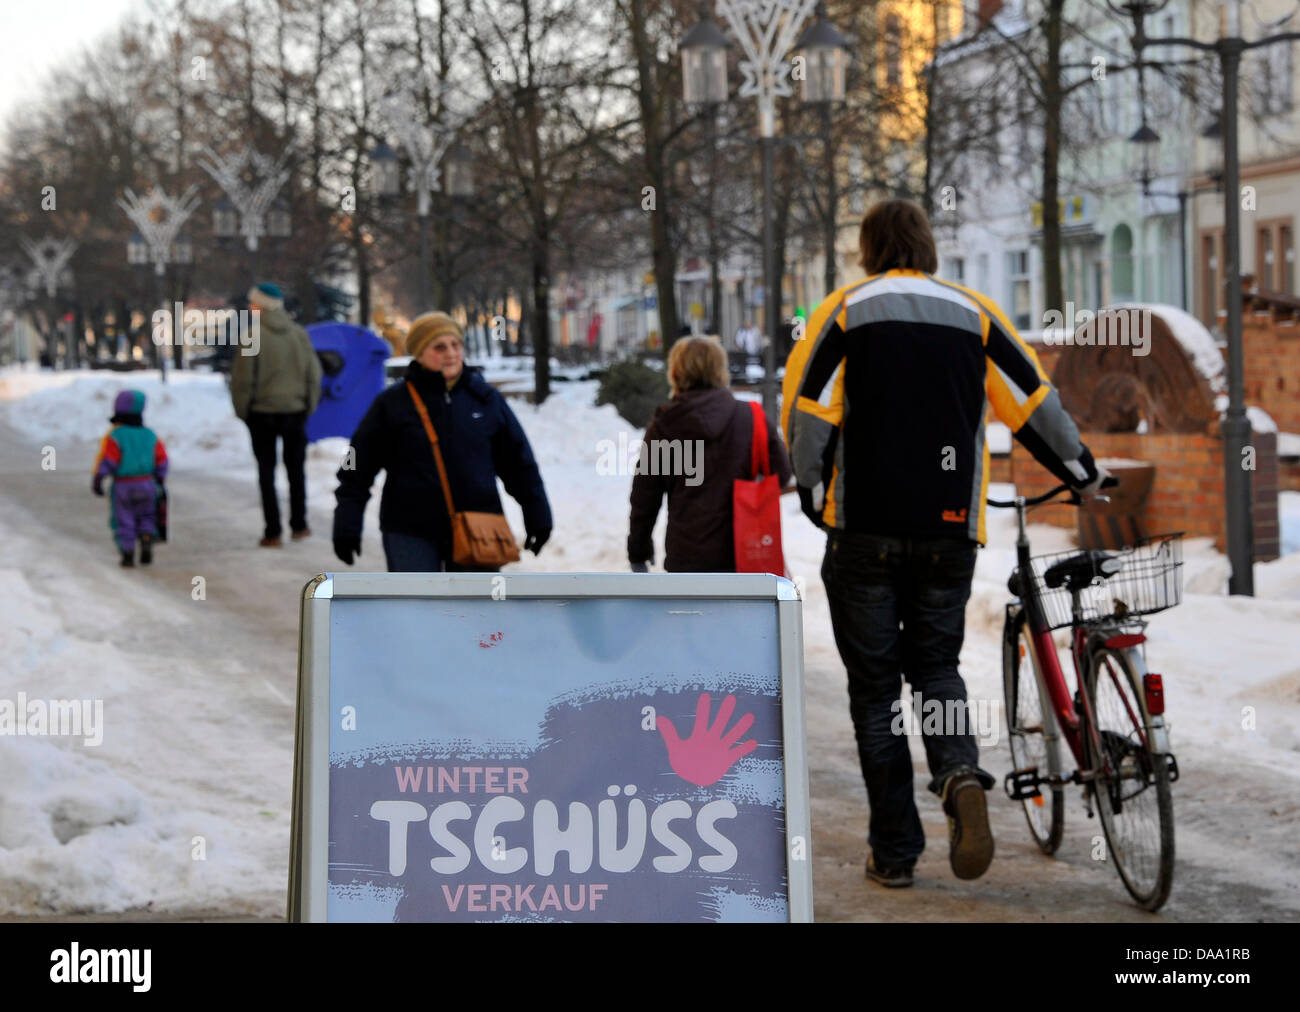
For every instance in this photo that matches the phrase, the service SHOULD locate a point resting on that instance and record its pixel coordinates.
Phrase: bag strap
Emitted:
(759, 461)
(433, 441)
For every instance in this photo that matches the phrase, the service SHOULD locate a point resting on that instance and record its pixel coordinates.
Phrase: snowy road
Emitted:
(198, 743)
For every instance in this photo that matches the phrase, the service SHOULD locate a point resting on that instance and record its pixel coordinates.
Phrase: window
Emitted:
(982, 272)
(1121, 263)
(1018, 289)
(954, 269)
(1110, 87)
(893, 51)
(1024, 113)
(1211, 285)
(1264, 258)
(1275, 256)
(1286, 242)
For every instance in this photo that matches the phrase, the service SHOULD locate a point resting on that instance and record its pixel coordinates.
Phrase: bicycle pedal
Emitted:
(1022, 785)
(1172, 765)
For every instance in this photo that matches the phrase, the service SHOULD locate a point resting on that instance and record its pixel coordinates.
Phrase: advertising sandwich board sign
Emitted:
(550, 747)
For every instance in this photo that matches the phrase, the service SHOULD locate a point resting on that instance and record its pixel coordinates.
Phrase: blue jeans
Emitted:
(407, 553)
(898, 608)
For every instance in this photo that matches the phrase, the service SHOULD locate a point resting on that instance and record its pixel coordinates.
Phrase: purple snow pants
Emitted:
(133, 511)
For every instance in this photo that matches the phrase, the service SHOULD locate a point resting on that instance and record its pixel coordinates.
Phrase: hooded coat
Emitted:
(283, 378)
(480, 438)
(700, 537)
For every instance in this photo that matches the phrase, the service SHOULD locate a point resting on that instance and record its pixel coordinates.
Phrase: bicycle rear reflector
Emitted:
(1154, 687)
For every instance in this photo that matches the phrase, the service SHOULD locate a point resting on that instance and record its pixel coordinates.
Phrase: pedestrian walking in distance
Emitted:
(135, 458)
(274, 392)
(694, 450)
(478, 437)
(884, 406)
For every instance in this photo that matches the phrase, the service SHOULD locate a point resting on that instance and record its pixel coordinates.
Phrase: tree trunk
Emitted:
(542, 316)
(662, 251)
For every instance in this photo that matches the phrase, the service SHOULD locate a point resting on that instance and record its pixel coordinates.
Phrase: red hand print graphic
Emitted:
(707, 753)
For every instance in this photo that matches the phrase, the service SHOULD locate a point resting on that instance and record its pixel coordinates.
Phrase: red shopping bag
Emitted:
(756, 508)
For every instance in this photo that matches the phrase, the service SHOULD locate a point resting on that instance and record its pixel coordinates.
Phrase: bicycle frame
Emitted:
(1047, 666)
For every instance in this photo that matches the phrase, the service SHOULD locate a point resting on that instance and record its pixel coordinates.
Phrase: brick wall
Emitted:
(1264, 487)
(1288, 475)
(1187, 494)
(1271, 351)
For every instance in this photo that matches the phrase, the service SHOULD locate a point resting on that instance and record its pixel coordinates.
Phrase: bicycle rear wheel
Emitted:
(1032, 735)
(1131, 789)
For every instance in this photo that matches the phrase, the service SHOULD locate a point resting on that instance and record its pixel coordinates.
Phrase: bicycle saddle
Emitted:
(1078, 571)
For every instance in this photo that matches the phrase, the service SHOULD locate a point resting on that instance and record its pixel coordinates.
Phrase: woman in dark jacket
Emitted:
(715, 433)
(480, 439)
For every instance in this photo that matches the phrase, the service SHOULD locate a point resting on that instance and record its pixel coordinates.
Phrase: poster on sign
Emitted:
(486, 747)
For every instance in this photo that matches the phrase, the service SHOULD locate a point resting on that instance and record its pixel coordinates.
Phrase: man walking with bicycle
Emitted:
(884, 405)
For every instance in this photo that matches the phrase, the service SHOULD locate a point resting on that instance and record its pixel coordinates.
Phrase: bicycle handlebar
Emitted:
(1074, 500)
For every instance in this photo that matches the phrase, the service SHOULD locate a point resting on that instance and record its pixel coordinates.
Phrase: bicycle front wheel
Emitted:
(1131, 788)
(1031, 733)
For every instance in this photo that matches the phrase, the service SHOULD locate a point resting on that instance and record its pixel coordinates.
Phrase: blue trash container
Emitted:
(352, 359)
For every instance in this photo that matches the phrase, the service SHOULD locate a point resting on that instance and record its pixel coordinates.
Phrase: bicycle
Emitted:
(1114, 722)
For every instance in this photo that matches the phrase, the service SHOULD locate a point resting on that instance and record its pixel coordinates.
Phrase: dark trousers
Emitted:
(898, 608)
(407, 553)
(265, 429)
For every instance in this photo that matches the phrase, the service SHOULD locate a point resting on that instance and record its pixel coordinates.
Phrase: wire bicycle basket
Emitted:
(1150, 580)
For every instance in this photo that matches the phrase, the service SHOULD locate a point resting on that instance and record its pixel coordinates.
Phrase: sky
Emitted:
(39, 34)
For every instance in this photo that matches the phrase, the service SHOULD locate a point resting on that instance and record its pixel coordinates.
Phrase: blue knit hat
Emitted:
(266, 296)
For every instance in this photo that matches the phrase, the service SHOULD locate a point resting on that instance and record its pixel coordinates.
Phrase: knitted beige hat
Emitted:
(426, 328)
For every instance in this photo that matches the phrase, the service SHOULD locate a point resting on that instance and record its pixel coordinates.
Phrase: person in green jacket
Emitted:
(274, 390)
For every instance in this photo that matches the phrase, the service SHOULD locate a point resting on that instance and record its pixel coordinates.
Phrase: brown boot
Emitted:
(299, 535)
(270, 543)
(970, 841)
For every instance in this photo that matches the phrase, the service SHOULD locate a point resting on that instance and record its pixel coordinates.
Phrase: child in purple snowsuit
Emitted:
(136, 460)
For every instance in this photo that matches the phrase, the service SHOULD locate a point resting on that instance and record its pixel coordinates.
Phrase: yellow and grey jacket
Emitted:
(885, 398)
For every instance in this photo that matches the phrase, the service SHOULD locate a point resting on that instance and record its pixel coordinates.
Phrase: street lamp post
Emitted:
(1236, 426)
(159, 219)
(436, 164)
(825, 53)
(768, 30)
(50, 259)
(251, 181)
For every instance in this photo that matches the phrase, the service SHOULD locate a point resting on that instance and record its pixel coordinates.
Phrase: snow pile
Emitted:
(1288, 518)
(1260, 420)
(997, 436)
(1189, 332)
(191, 412)
(120, 825)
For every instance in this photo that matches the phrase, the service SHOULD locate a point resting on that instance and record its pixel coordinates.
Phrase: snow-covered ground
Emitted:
(112, 827)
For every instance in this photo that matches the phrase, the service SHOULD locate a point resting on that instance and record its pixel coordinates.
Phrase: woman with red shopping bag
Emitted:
(704, 450)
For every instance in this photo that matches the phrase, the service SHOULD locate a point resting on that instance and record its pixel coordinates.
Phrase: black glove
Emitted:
(97, 484)
(535, 540)
(640, 567)
(347, 547)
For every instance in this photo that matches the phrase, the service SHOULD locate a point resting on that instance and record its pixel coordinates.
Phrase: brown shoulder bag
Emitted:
(477, 539)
